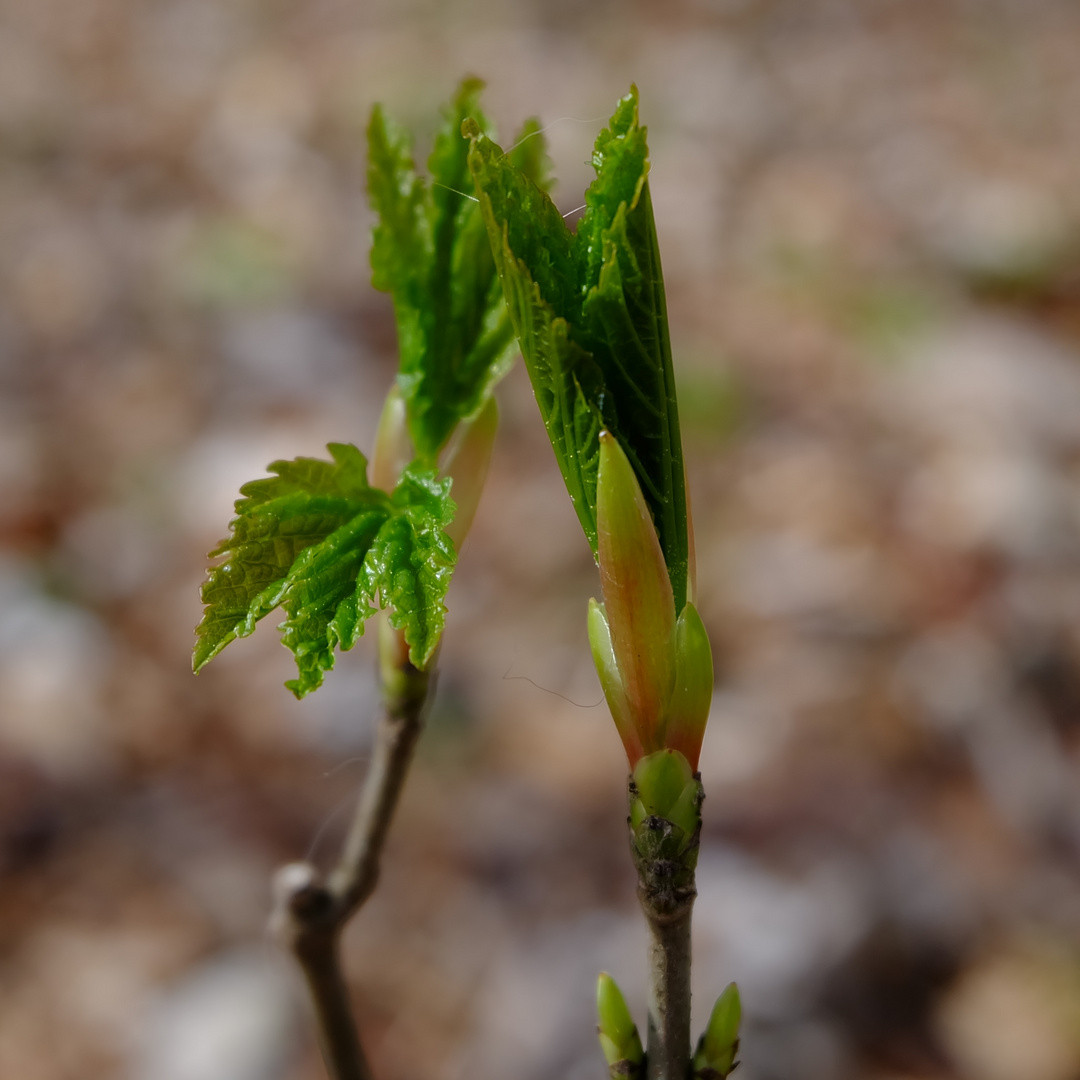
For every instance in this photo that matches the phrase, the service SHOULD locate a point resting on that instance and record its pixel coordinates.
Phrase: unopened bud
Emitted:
(666, 788)
(656, 671)
(619, 1037)
(692, 697)
(714, 1058)
(638, 601)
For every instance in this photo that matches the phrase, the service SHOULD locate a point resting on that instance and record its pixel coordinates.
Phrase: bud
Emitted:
(665, 832)
(665, 787)
(656, 670)
(619, 1037)
(692, 697)
(714, 1058)
(638, 601)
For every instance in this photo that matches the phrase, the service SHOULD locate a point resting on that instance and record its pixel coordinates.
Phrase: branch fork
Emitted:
(310, 911)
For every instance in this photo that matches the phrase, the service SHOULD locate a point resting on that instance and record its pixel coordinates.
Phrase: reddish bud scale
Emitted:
(656, 669)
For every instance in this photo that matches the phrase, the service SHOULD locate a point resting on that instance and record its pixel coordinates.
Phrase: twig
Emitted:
(310, 912)
(668, 1048)
(666, 859)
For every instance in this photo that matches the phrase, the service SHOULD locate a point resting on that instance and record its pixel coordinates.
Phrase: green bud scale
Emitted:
(665, 828)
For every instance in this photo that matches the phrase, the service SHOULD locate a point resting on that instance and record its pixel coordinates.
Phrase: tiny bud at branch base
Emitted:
(619, 1039)
(716, 1050)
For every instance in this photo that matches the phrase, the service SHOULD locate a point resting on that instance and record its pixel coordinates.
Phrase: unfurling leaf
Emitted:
(589, 312)
(317, 541)
(430, 251)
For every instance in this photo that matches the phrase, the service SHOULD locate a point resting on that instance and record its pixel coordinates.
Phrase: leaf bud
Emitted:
(691, 699)
(638, 601)
(714, 1058)
(619, 1037)
(666, 788)
(655, 669)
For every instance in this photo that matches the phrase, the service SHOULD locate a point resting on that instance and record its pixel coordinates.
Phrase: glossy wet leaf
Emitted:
(431, 253)
(590, 315)
(316, 540)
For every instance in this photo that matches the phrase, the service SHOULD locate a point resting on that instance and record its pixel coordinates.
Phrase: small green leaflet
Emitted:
(317, 541)
(590, 315)
(430, 251)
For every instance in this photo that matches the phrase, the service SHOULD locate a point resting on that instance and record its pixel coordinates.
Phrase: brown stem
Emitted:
(665, 855)
(668, 1049)
(310, 912)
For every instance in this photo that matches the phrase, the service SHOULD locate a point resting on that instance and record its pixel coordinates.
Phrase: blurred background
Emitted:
(870, 220)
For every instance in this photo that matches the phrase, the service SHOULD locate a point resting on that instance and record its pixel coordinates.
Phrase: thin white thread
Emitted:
(507, 677)
(344, 764)
(524, 139)
(324, 827)
(446, 187)
(548, 127)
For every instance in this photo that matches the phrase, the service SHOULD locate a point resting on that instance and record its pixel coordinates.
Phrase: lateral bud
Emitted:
(619, 1039)
(714, 1058)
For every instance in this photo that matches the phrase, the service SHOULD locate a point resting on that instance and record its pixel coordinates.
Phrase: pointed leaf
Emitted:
(590, 315)
(431, 252)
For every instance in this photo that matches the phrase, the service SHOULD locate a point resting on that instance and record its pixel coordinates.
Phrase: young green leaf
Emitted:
(591, 320)
(277, 519)
(317, 541)
(411, 560)
(430, 251)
